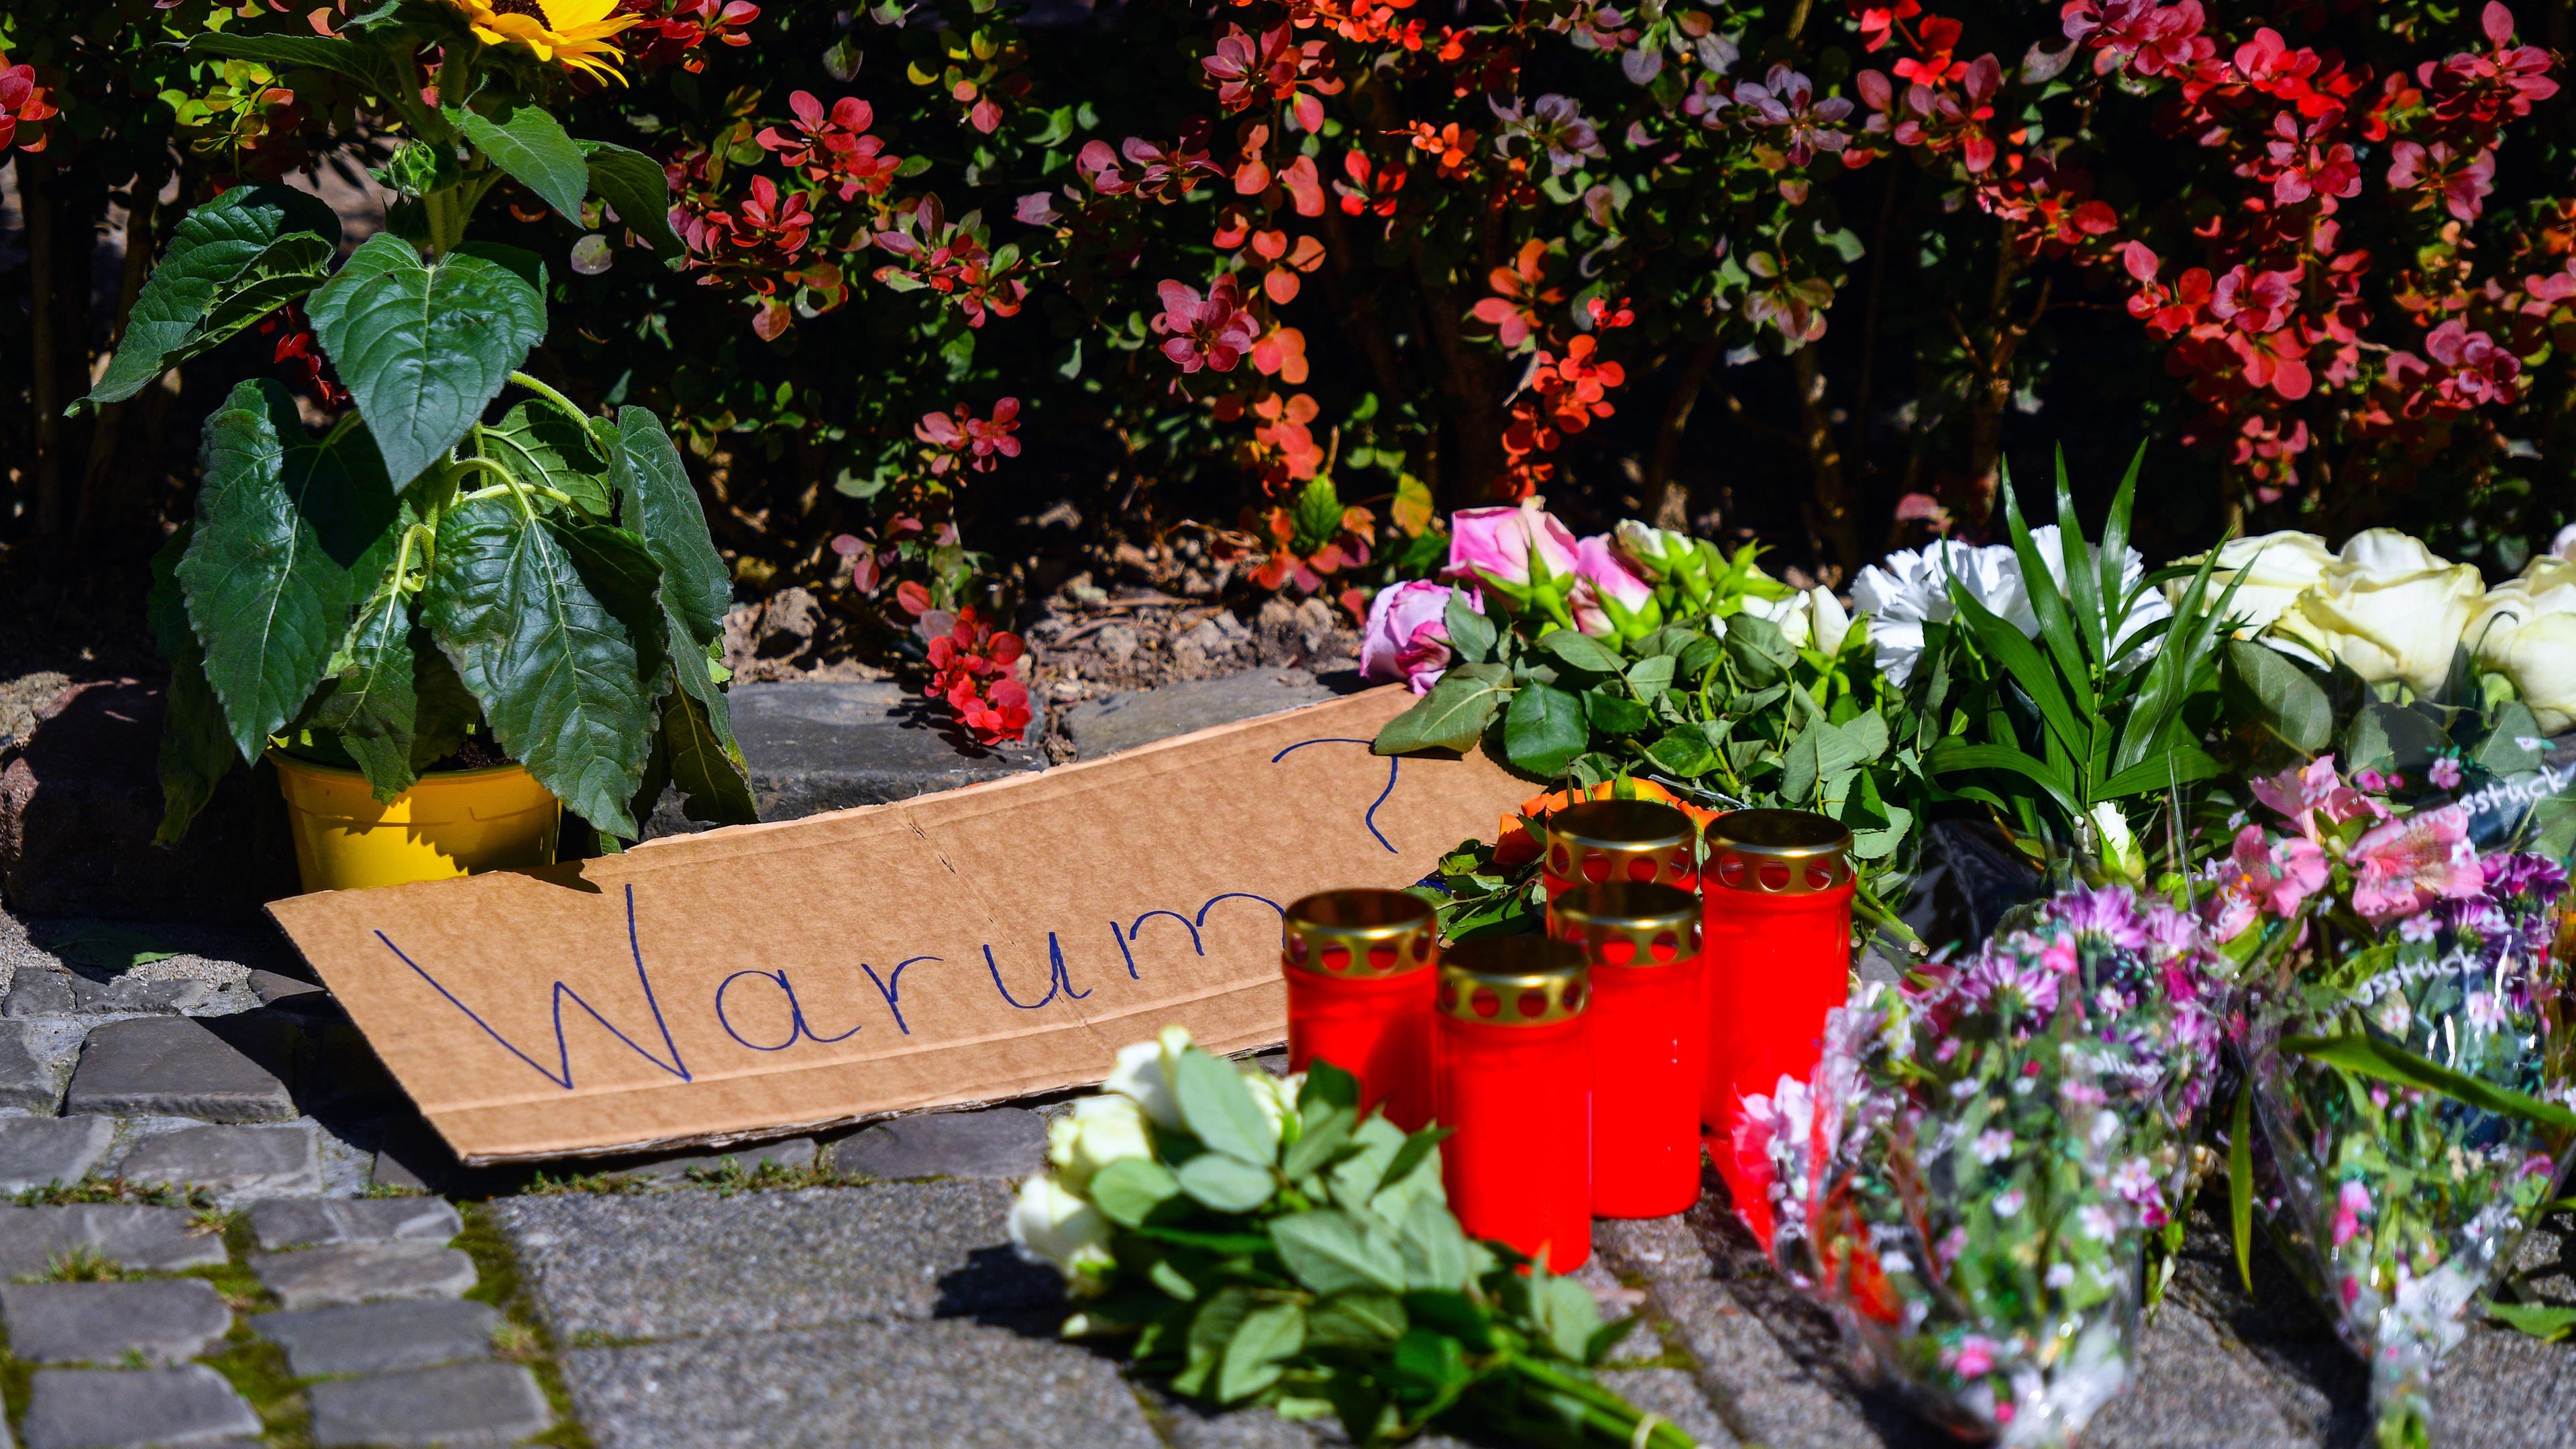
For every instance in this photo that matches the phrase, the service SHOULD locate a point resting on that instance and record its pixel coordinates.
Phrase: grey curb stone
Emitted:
(69, 993)
(1127, 719)
(231, 1160)
(39, 1151)
(366, 1338)
(796, 1154)
(166, 1322)
(181, 1067)
(289, 1222)
(363, 1272)
(668, 1264)
(128, 1409)
(474, 1403)
(950, 1383)
(816, 745)
(159, 1239)
(30, 1078)
(999, 1142)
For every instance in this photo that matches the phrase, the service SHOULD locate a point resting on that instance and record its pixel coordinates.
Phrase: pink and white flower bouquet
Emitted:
(2405, 1036)
(1973, 1177)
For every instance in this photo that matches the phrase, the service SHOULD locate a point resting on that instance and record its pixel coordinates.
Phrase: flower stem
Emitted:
(552, 396)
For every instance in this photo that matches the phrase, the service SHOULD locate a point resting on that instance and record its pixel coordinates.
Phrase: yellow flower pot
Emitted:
(453, 822)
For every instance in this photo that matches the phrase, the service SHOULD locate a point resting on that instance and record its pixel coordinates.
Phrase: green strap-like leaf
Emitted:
(2005, 645)
(1952, 755)
(552, 668)
(2048, 605)
(230, 262)
(321, 52)
(2084, 589)
(661, 506)
(285, 527)
(635, 187)
(2184, 763)
(2370, 1057)
(373, 706)
(539, 444)
(2240, 1181)
(423, 350)
(2115, 540)
(196, 752)
(531, 146)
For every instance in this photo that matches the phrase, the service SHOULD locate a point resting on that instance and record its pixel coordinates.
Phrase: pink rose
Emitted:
(1611, 596)
(1520, 551)
(2350, 1205)
(1408, 634)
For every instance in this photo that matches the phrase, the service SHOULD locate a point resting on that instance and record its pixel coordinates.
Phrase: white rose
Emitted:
(1049, 1223)
(2269, 570)
(1276, 1099)
(1100, 1131)
(1827, 620)
(1144, 1074)
(2527, 633)
(2564, 545)
(1789, 613)
(2388, 608)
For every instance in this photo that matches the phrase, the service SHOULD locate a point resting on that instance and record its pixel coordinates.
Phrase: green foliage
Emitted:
(416, 576)
(1314, 1266)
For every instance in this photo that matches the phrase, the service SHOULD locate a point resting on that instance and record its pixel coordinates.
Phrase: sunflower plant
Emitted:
(421, 573)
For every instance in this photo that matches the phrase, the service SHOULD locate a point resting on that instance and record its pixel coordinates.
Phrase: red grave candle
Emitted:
(1359, 969)
(1777, 887)
(1649, 1042)
(1512, 1073)
(1641, 841)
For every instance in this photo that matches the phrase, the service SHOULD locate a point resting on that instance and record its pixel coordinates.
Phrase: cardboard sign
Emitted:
(980, 944)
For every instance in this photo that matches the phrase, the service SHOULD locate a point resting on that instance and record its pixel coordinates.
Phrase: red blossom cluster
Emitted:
(673, 30)
(966, 441)
(22, 103)
(298, 351)
(971, 673)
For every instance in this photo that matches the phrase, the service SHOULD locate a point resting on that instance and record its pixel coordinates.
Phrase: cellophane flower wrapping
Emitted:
(1971, 1178)
(2396, 1204)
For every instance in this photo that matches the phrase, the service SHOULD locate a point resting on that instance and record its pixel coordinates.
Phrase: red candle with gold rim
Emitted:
(1777, 889)
(1359, 968)
(1512, 1075)
(1640, 841)
(1649, 1042)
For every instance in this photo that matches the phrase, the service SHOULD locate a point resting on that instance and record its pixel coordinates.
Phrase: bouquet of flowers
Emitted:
(1259, 1241)
(1972, 1178)
(2406, 1054)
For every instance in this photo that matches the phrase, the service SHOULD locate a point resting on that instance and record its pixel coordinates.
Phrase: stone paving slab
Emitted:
(221, 1071)
(363, 1273)
(1003, 1143)
(667, 1265)
(129, 1235)
(794, 1154)
(41, 1151)
(231, 1161)
(474, 1403)
(164, 1321)
(951, 1383)
(33, 1064)
(289, 1222)
(127, 1409)
(363, 1338)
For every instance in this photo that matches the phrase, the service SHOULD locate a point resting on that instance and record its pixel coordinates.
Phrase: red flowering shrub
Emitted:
(971, 673)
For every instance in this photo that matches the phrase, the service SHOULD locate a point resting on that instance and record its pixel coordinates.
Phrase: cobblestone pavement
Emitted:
(230, 1230)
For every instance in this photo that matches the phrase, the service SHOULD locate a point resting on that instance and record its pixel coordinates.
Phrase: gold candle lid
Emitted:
(1778, 852)
(1359, 933)
(1630, 840)
(1513, 981)
(1621, 923)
